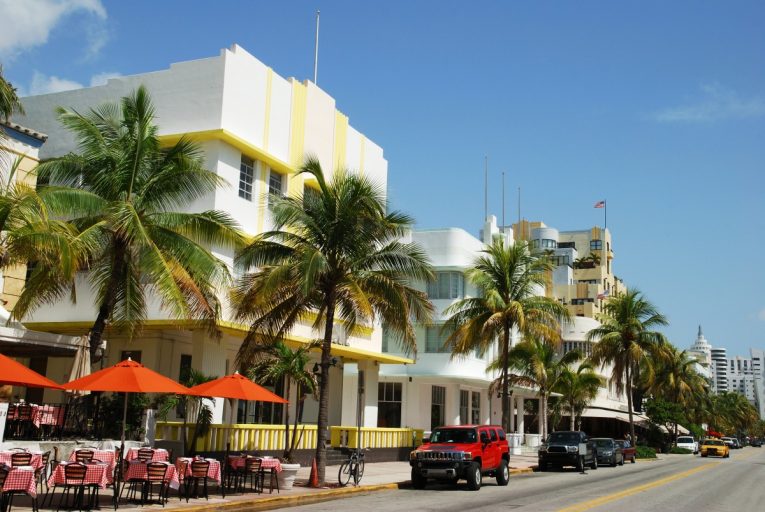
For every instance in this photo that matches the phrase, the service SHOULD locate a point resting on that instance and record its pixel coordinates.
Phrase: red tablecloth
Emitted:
(213, 472)
(137, 471)
(21, 479)
(36, 462)
(237, 461)
(160, 454)
(41, 414)
(98, 473)
(106, 456)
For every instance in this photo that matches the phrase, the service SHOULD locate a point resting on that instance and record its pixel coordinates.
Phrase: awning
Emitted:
(21, 342)
(592, 412)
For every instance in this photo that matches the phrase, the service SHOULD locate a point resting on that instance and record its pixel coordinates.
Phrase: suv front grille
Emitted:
(440, 456)
(557, 449)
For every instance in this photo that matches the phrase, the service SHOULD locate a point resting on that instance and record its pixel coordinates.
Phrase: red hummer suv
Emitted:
(465, 451)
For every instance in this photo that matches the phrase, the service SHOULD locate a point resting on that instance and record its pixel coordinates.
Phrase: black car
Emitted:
(609, 452)
(568, 448)
(757, 443)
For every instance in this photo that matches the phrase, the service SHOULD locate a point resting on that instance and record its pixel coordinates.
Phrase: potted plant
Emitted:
(277, 362)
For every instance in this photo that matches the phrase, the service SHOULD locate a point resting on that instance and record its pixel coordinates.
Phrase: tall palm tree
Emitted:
(281, 362)
(578, 388)
(507, 277)
(9, 100)
(121, 190)
(534, 362)
(625, 338)
(334, 255)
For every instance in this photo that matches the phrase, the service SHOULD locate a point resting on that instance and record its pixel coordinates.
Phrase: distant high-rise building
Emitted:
(719, 370)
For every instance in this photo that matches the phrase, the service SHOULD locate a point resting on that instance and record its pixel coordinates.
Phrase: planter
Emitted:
(287, 475)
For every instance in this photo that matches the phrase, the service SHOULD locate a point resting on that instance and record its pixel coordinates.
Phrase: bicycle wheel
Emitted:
(359, 470)
(344, 474)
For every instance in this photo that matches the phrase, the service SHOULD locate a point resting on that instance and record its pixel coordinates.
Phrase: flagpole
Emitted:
(605, 214)
(316, 53)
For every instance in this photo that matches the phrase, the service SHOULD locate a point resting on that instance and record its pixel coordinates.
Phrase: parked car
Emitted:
(756, 443)
(568, 448)
(629, 452)
(737, 444)
(462, 452)
(729, 442)
(713, 446)
(687, 442)
(608, 451)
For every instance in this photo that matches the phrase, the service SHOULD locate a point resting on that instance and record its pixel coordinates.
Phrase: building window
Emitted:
(275, 183)
(464, 406)
(475, 408)
(246, 177)
(437, 406)
(596, 245)
(435, 340)
(559, 261)
(447, 285)
(389, 404)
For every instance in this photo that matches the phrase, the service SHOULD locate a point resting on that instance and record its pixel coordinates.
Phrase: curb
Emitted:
(520, 471)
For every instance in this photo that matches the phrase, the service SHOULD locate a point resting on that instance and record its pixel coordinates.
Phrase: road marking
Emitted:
(587, 505)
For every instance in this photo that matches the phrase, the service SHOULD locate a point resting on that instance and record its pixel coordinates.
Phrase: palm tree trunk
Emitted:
(505, 382)
(326, 361)
(629, 404)
(110, 299)
(573, 416)
(543, 419)
(287, 421)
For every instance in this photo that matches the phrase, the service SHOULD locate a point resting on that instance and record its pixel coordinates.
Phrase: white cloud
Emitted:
(44, 84)
(28, 23)
(716, 103)
(761, 315)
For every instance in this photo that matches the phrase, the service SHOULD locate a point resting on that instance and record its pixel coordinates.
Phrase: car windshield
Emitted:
(453, 435)
(604, 443)
(563, 437)
(714, 442)
(685, 440)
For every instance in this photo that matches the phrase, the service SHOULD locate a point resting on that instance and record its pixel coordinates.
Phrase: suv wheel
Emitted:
(473, 476)
(542, 466)
(418, 481)
(503, 474)
(594, 464)
(580, 464)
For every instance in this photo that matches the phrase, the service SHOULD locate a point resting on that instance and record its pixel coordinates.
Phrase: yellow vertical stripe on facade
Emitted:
(267, 117)
(362, 148)
(341, 140)
(297, 135)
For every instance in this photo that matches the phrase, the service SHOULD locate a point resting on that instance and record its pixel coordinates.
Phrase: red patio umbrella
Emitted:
(235, 387)
(127, 377)
(16, 374)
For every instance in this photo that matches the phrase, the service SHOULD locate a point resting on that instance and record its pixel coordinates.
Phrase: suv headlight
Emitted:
(413, 455)
(572, 449)
(467, 456)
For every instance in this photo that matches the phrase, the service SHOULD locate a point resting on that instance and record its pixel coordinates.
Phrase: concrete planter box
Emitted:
(287, 476)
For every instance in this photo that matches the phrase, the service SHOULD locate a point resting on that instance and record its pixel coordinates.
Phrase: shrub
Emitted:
(645, 452)
(682, 451)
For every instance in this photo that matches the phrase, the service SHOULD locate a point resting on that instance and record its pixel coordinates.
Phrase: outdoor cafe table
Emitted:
(106, 456)
(213, 472)
(21, 479)
(137, 471)
(160, 454)
(41, 414)
(36, 462)
(237, 461)
(98, 473)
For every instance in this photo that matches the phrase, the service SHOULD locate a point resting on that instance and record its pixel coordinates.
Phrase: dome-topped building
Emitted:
(702, 346)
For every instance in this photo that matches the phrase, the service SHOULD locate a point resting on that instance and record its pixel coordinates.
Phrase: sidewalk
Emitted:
(378, 476)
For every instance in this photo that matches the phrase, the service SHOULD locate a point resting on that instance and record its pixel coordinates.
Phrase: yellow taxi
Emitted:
(713, 446)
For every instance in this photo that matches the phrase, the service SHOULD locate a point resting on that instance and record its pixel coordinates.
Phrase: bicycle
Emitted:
(353, 467)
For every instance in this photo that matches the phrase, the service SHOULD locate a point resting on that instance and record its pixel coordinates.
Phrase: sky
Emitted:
(657, 107)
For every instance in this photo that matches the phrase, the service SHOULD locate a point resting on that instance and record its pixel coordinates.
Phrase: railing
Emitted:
(246, 437)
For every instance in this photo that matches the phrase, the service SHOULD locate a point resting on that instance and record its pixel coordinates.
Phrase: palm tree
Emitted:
(675, 379)
(508, 277)
(535, 363)
(9, 100)
(121, 192)
(334, 255)
(281, 362)
(625, 338)
(578, 388)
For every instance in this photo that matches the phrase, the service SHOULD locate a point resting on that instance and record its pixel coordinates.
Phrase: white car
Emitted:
(688, 443)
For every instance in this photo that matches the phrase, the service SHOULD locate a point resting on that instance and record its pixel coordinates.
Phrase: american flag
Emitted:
(600, 204)
(604, 294)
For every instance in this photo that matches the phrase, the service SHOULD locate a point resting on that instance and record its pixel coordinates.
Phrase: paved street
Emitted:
(677, 482)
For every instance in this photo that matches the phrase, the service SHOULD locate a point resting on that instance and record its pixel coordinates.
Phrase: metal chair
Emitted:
(145, 454)
(41, 474)
(74, 479)
(23, 420)
(155, 474)
(252, 469)
(272, 479)
(21, 459)
(199, 469)
(84, 456)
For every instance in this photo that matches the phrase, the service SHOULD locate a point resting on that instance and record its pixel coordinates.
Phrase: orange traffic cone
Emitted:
(313, 479)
